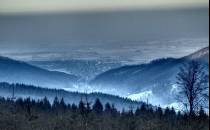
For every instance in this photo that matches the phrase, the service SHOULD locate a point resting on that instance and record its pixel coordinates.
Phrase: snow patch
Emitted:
(176, 105)
(142, 96)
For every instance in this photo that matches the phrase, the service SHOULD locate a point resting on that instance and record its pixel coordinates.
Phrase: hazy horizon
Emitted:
(129, 36)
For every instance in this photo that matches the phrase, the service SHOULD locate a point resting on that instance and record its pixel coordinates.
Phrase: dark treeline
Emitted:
(24, 91)
(29, 114)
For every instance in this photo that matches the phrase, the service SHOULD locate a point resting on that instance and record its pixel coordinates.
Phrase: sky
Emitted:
(21, 6)
(132, 31)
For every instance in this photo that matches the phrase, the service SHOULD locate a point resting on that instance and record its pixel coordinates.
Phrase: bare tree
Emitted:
(193, 86)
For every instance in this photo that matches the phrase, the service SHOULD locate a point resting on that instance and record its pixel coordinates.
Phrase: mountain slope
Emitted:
(13, 71)
(201, 55)
(156, 77)
(84, 69)
(25, 91)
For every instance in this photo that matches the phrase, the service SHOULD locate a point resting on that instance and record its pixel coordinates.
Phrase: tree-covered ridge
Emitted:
(24, 91)
(30, 114)
(14, 71)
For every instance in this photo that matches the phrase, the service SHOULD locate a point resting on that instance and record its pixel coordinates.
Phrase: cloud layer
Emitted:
(21, 6)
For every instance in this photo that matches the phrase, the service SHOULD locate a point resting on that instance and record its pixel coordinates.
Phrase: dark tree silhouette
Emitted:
(159, 112)
(113, 111)
(82, 107)
(74, 107)
(62, 105)
(143, 107)
(202, 114)
(98, 107)
(167, 112)
(55, 103)
(46, 104)
(138, 112)
(28, 106)
(192, 82)
(108, 108)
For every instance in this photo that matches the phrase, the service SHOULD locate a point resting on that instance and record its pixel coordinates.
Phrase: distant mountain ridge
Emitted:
(156, 77)
(201, 55)
(13, 71)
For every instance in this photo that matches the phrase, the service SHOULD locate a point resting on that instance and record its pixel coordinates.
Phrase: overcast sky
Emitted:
(18, 6)
(138, 35)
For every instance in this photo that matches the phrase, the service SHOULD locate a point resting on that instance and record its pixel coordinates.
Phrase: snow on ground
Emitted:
(142, 96)
(177, 106)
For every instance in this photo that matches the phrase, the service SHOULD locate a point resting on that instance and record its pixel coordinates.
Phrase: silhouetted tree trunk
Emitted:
(193, 85)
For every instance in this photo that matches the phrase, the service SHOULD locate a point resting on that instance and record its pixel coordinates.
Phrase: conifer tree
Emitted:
(98, 107)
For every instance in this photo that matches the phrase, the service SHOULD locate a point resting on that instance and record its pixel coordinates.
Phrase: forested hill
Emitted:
(13, 71)
(155, 77)
(24, 91)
